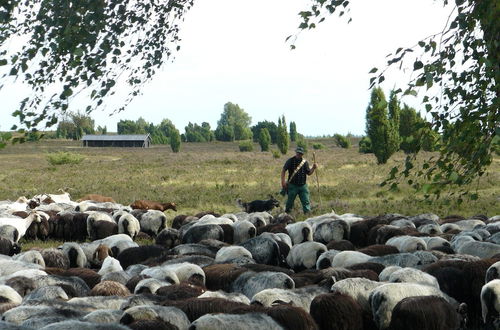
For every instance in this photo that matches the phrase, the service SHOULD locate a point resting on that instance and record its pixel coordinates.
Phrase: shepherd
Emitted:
(298, 170)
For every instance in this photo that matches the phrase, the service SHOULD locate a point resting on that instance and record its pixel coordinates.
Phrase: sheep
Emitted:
(300, 232)
(243, 230)
(250, 283)
(264, 250)
(149, 285)
(110, 265)
(330, 230)
(348, 258)
(182, 219)
(427, 312)
(402, 223)
(22, 224)
(198, 249)
(357, 288)
(480, 249)
(135, 255)
(233, 296)
(161, 273)
(493, 272)
(259, 219)
(8, 267)
(228, 253)
(151, 205)
(104, 316)
(379, 250)
(75, 254)
(337, 311)
(407, 243)
(93, 218)
(433, 242)
(180, 291)
(55, 258)
(404, 259)
(153, 222)
(301, 297)
(109, 288)
(325, 259)
(386, 273)
(187, 272)
(22, 313)
(8, 247)
(73, 286)
(304, 255)
(384, 298)
(119, 277)
(413, 275)
(462, 280)
(129, 225)
(200, 260)
(236, 322)
(290, 317)
(196, 233)
(47, 293)
(9, 232)
(99, 302)
(9, 295)
(490, 303)
(168, 314)
(80, 325)
(221, 276)
(89, 276)
(96, 198)
(168, 238)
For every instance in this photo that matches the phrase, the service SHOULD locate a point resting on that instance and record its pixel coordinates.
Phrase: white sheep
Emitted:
(300, 297)
(162, 274)
(129, 225)
(243, 230)
(228, 253)
(153, 221)
(413, 275)
(384, 298)
(300, 232)
(23, 224)
(490, 302)
(407, 243)
(349, 258)
(110, 265)
(236, 322)
(357, 288)
(305, 255)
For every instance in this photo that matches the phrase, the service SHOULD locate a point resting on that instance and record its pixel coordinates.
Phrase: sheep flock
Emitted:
(243, 270)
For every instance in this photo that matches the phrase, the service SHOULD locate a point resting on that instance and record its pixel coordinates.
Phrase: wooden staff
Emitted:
(317, 180)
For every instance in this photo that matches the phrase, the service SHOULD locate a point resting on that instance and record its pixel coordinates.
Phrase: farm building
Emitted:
(140, 141)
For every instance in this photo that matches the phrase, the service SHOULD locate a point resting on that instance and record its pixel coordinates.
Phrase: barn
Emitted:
(139, 141)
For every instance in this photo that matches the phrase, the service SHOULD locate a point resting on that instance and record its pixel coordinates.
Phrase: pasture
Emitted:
(211, 176)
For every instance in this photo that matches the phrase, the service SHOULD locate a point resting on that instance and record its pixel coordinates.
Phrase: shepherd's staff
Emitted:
(317, 180)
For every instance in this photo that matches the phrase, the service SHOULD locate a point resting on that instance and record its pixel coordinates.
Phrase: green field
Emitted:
(211, 176)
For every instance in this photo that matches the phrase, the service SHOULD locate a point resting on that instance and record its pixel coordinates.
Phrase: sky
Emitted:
(235, 51)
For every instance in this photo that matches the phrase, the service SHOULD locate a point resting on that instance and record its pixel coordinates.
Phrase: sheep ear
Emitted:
(334, 279)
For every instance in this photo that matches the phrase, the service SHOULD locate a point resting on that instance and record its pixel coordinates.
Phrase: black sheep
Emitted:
(136, 255)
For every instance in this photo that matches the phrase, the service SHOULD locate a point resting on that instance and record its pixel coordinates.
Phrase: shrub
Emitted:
(276, 153)
(175, 140)
(365, 145)
(318, 146)
(264, 139)
(60, 158)
(301, 142)
(246, 146)
(342, 141)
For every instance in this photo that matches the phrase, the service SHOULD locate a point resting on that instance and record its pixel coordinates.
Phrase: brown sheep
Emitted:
(378, 250)
(151, 205)
(338, 311)
(291, 317)
(110, 288)
(221, 276)
(180, 291)
(96, 198)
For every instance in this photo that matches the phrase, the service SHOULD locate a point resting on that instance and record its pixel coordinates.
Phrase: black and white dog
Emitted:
(259, 205)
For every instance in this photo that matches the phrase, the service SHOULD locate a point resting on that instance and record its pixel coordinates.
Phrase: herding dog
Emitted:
(259, 205)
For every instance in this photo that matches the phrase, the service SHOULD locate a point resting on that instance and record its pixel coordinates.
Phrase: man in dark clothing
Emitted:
(296, 183)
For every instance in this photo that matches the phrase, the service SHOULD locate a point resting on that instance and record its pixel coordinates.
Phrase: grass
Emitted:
(211, 176)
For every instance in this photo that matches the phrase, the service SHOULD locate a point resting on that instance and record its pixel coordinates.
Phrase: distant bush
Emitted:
(246, 146)
(60, 158)
(342, 141)
(365, 145)
(276, 153)
(264, 139)
(318, 146)
(301, 142)
(175, 140)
